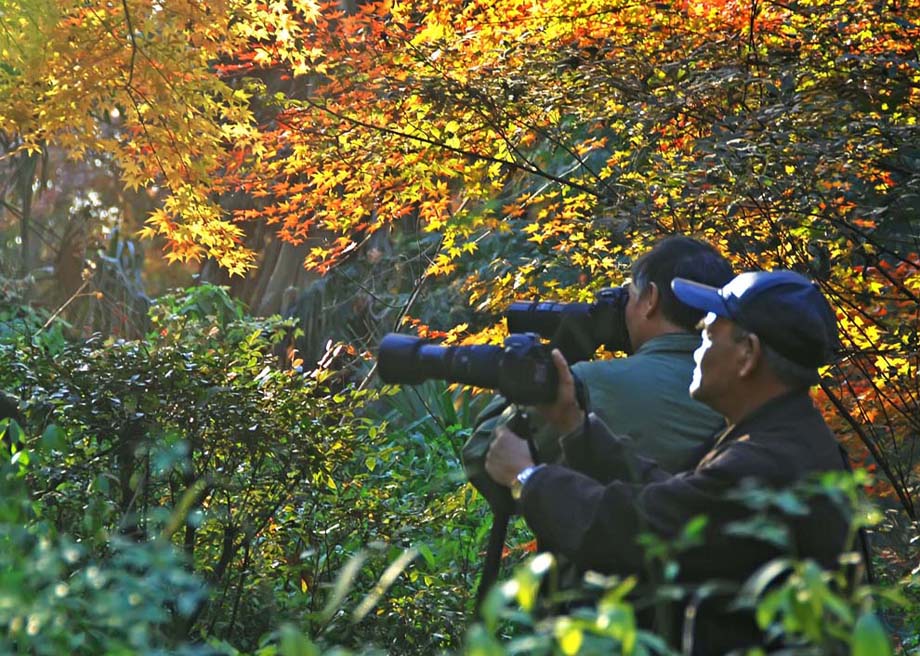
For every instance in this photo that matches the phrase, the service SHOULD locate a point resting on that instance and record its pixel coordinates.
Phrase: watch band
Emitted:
(517, 485)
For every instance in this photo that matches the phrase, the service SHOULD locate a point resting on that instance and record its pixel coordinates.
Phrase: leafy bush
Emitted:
(196, 417)
(812, 610)
(269, 480)
(56, 596)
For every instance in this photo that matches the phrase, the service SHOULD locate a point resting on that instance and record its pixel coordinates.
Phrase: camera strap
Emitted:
(493, 561)
(501, 516)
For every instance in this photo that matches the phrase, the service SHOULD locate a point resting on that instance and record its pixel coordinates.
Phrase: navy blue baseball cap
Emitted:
(784, 308)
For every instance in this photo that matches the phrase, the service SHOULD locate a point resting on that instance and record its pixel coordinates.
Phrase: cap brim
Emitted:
(699, 296)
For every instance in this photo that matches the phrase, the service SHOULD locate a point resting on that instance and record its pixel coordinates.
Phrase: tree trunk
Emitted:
(29, 245)
(285, 274)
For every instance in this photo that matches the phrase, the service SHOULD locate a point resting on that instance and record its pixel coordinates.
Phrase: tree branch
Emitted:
(525, 167)
(124, 4)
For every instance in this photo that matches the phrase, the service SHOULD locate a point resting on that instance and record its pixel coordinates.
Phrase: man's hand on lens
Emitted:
(564, 414)
(508, 456)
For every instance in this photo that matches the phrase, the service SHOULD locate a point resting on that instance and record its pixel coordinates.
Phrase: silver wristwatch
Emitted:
(517, 485)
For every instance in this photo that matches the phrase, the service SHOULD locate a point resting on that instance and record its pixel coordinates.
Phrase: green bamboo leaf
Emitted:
(386, 580)
(343, 583)
(869, 637)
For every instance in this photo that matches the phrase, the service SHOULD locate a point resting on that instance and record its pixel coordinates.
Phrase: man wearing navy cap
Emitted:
(763, 338)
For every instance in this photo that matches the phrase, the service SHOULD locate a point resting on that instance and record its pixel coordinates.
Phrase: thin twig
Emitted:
(527, 167)
(905, 500)
(409, 302)
(124, 3)
(63, 307)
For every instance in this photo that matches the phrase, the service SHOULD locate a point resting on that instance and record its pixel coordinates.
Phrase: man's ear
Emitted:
(651, 299)
(751, 354)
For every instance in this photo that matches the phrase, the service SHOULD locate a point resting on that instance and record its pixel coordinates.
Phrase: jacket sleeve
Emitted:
(596, 524)
(597, 452)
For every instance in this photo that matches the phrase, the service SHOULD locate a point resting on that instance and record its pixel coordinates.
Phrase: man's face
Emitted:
(714, 374)
(633, 315)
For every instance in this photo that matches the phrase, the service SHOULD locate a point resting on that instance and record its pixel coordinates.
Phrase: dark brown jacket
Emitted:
(592, 512)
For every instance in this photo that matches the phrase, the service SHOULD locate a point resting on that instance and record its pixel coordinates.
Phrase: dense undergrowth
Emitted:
(185, 493)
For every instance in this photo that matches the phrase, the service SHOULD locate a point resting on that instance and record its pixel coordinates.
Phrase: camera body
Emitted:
(576, 329)
(522, 370)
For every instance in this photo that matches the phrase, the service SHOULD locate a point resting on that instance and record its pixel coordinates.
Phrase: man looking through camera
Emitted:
(763, 339)
(644, 395)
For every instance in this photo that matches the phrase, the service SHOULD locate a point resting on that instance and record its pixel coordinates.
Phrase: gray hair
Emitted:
(791, 374)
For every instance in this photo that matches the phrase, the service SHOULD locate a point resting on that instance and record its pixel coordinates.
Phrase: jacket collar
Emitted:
(791, 404)
(669, 343)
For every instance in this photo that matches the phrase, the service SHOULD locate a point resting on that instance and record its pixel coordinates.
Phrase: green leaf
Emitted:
(53, 438)
(10, 430)
(20, 457)
(769, 607)
(570, 637)
(425, 550)
(694, 528)
(869, 637)
(294, 643)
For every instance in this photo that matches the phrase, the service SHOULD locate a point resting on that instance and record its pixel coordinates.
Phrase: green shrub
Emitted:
(197, 416)
(270, 481)
(57, 596)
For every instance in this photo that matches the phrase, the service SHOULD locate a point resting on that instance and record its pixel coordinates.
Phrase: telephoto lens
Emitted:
(522, 370)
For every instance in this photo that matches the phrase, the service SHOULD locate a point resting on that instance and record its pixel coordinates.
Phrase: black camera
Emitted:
(522, 370)
(576, 329)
